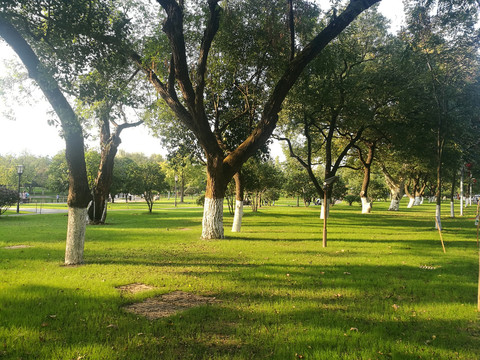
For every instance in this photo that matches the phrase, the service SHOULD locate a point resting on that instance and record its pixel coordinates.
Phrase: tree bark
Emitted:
(239, 193)
(212, 224)
(78, 191)
(77, 219)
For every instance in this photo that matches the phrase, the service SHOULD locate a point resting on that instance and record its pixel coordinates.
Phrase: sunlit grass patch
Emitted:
(382, 288)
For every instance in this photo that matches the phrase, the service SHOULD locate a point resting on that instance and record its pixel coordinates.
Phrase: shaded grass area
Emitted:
(382, 289)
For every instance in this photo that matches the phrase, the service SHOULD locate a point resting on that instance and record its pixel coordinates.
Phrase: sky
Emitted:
(24, 123)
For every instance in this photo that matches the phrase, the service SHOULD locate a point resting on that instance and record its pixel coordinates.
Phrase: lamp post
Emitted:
(326, 185)
(19, 172)
(176, 179)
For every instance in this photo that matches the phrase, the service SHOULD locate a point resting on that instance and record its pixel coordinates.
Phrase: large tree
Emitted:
(48, 38)
(443, 43)
(104, 95)
(336, 101)
(79, 194)
(188, 85)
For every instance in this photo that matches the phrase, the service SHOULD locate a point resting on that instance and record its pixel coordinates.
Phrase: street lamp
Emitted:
(19, 172)
(326, 185)
(176, 179)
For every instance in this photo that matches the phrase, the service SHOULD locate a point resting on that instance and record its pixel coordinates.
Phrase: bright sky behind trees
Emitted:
(24, 123)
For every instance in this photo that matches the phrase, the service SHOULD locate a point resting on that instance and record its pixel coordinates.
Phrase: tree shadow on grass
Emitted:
(44, 322)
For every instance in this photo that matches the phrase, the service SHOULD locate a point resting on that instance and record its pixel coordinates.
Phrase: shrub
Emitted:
(350, 199)
(7, 199)
(200, 200)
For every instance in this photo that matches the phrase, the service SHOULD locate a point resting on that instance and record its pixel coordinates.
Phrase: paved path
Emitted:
(38, 210)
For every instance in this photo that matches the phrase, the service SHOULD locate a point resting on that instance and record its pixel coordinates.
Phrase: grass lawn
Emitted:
(382, 289)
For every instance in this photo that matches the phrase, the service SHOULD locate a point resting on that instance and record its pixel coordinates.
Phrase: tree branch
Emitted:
(173, 28)
(208, 36)
(291, 26)
(272, 107)
(312, 176)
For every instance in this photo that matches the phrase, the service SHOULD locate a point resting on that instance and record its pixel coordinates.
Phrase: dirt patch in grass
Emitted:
(134, 288)
(17, 247)
(184, 229)
(168, 304)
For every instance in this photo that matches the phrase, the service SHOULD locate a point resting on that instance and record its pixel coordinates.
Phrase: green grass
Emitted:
(382, 289)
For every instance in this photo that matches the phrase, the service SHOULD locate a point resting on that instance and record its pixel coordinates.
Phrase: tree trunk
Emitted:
(212, 224)
(77, 220)
(411, 198)
(237, 219)
(396, 194)
(103, 181)
(461, 190)
(182, 187)
(438, 207)
(419, 193)
(109, 144)
(367, 165)
(366, 205)
(411, 202)
(452, 195)
(396, 189)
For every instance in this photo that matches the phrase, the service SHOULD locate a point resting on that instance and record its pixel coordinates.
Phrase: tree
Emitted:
(149, 181)
(259, 177)
(335, 103)
(297, 182)
(79, 194)
(49, 38)
(57, 174)
(102, 96)
(443, 43)
(190, 78)
(8, 198)
(122, 179)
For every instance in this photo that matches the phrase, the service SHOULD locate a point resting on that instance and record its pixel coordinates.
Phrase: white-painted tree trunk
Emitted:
(322, 211)
(366, 205)
(418, 201)
(411, 202)
(212, 224)
(394, 205)
(237, 219)
(438, 222)
(461, 192)
(77, 223)
(452, 209)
